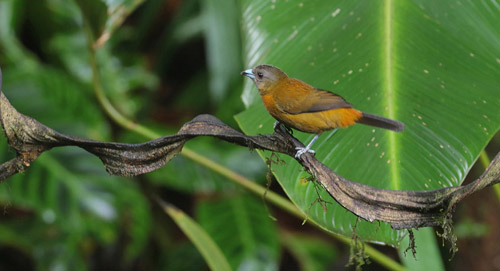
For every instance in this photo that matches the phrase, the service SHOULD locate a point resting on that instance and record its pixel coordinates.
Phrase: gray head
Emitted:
(264, 76)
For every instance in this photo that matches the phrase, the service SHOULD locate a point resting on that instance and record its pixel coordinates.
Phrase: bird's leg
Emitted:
(301, 150)
(277, 123)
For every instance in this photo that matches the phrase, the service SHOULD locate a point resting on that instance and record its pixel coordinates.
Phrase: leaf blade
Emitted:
(398, 60)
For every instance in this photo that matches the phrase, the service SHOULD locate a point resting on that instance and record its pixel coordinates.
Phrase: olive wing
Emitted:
(312, 100)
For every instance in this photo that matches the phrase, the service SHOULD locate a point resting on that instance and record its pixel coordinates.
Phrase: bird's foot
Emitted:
(276, 123)
(301, 151)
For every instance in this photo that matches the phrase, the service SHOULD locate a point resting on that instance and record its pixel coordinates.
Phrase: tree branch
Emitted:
(402, 209)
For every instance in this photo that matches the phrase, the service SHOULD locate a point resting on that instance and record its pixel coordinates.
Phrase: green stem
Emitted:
(485, 162)
(257, 189)
(484, 159)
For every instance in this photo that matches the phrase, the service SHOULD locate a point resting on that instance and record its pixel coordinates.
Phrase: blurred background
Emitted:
(160, 63)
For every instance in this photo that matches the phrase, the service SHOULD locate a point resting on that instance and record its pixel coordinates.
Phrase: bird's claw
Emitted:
(301, 151)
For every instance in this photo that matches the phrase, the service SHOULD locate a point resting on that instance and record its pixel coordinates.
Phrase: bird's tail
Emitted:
(381, 122)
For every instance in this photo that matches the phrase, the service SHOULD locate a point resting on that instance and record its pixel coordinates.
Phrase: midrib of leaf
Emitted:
(388, 86)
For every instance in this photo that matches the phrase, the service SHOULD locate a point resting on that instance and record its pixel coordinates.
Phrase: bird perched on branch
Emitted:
(303, 107)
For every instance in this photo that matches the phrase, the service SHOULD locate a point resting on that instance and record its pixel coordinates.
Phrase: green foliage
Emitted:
(161, 63)
(74, 208)
(201, 179)
(72, 205)
(184, 257)
(203, 242)
(223, 44)
(95, 15)
(243, 230)
(471, 229)
(312, 253)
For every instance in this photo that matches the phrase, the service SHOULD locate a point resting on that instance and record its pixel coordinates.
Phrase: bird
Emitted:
(308, 109)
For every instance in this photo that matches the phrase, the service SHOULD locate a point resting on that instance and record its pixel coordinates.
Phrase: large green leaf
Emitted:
(433, 65)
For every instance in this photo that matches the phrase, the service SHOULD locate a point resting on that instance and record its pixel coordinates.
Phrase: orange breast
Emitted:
(314, 122)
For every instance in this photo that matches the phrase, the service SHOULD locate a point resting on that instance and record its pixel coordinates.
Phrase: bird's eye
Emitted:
(260, 75)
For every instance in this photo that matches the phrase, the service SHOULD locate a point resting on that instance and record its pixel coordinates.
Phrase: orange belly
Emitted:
(314, 122)
(318, 122)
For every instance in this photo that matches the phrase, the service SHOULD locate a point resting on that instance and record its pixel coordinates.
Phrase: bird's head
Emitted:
(265, 77)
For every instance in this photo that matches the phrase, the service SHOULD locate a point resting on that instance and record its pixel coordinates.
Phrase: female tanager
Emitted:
(303, 107)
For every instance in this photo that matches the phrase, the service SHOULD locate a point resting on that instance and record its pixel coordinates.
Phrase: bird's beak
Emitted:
(248, 73)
